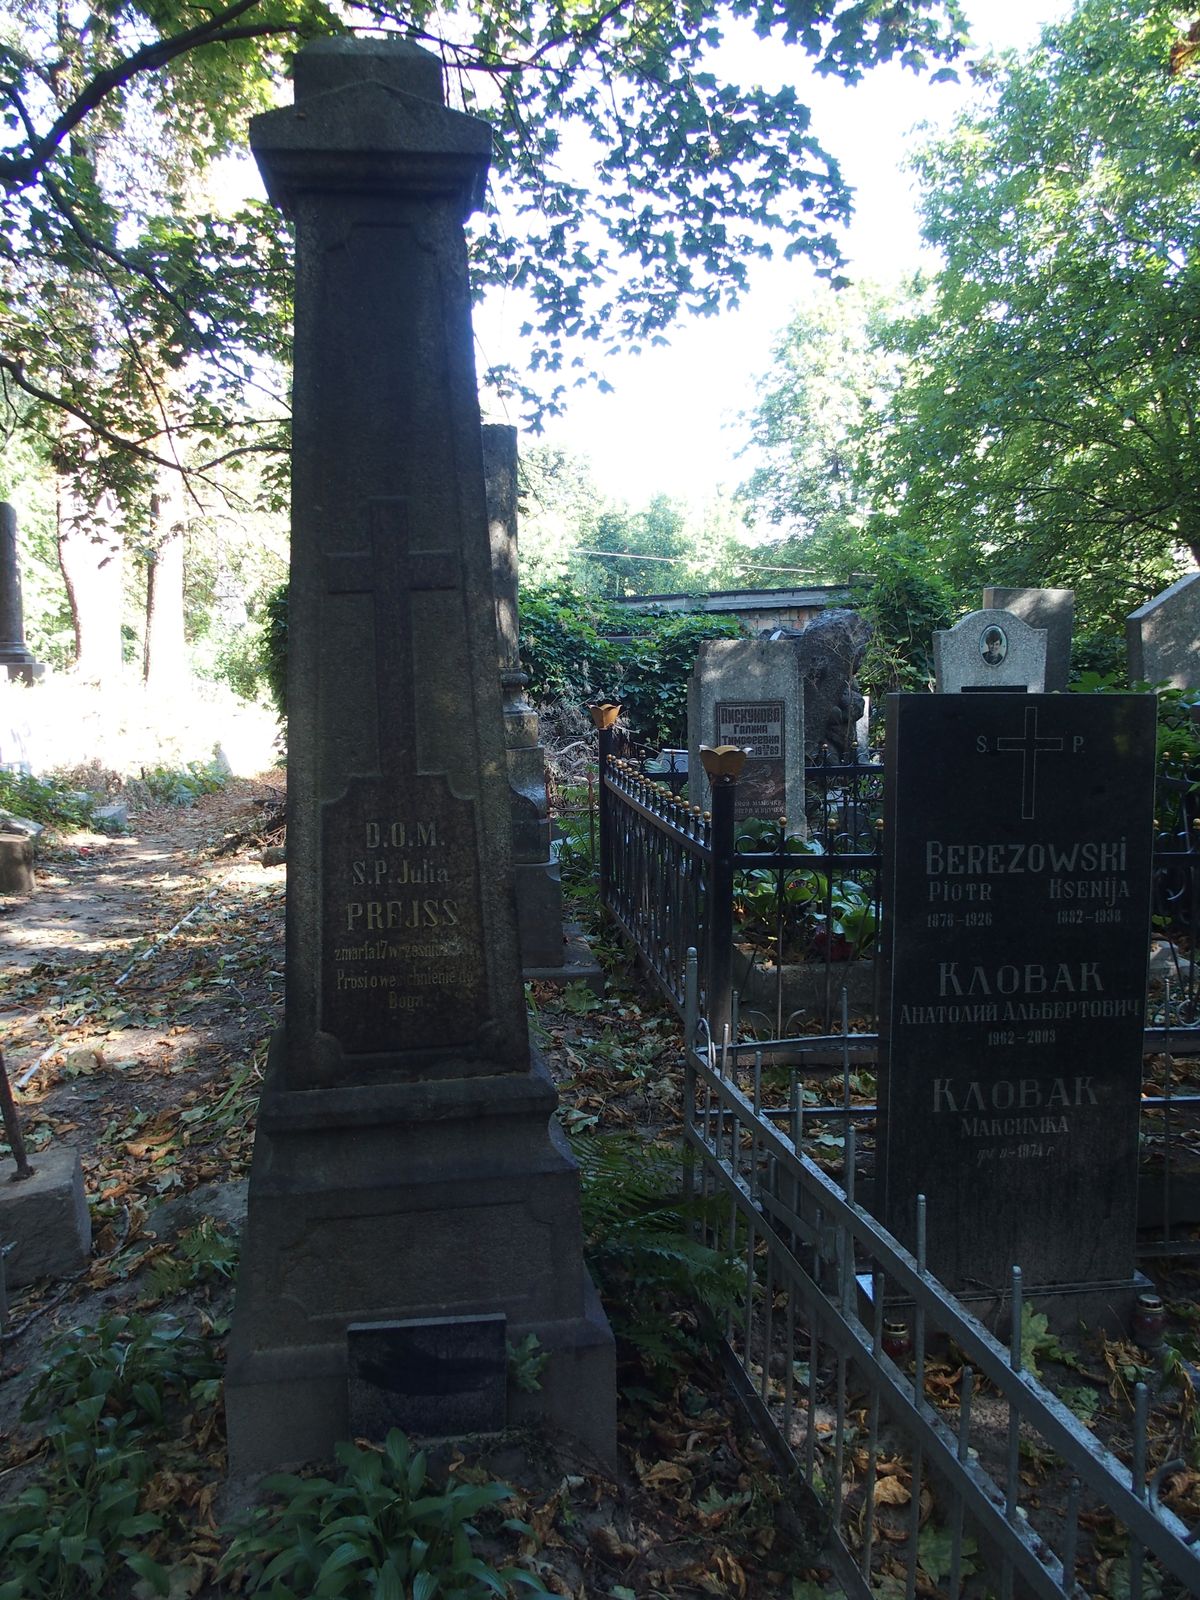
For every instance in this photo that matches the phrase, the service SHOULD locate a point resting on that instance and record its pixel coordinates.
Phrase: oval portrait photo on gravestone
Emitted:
(993, 646)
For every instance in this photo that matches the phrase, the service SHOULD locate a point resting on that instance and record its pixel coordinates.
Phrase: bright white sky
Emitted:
(671, 426)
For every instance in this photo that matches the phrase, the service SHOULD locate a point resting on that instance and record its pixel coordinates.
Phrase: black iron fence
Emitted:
(786, 917)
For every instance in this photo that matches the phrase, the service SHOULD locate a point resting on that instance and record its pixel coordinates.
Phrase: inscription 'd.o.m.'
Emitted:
(403, 965)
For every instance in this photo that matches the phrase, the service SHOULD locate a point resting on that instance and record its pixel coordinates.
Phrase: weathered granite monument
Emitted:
(829, 653)
(1163, 637)
(15, 655)
(990, 650)
(408, 1184)
(747, 692)
(549, 951)
(1050, 609)
(1017, 862)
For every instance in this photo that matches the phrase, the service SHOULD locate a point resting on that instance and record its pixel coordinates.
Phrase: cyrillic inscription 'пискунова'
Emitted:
(1017, 881)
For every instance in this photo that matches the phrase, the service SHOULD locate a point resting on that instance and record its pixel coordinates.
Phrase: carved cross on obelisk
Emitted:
(390, 571)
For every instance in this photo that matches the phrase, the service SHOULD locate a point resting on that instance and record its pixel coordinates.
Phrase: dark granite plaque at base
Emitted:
(432, 1377)
(1016, 902)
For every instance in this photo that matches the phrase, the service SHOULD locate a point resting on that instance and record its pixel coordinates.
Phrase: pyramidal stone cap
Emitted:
(341, 63)
(369, 115)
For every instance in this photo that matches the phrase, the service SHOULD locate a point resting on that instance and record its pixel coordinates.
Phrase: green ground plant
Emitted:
(49, 801)
(823, 912)
(109, 1395)
(183, 786)
(380, 1531)
(639, 1243)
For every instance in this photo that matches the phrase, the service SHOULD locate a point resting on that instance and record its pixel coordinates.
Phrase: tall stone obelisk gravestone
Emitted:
(411, 1204)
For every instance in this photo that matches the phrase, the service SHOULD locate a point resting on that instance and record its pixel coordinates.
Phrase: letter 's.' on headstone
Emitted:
(1051, 609)
(1163, 637)
(405, 1166)
(990, 650)
(747, 692)
(1017, 858)
(15, 655)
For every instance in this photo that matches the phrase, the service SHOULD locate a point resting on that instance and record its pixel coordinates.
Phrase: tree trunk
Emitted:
(165, 664)
(89, 554)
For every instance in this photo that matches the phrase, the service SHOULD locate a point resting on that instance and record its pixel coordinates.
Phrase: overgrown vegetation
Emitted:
(380, 1531)
(49, 801)
(579, 646)
(181, 786)
(115, 1399)
(663, 1289)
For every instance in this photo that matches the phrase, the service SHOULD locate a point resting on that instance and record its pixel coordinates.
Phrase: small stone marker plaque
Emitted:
(1017, 854)
(756, 726)
(438, 1377)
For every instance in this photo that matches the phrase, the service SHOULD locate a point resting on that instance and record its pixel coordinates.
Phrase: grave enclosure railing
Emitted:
(673, 877)
(899, 1419)
(783, 929)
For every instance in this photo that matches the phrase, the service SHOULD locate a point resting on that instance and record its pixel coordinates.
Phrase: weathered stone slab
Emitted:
(45, 1217)
(15, 656)
(1017, 851)
(989, 650)
(1163, 637)
(747, 692)
(16, 864)
(1051, 609)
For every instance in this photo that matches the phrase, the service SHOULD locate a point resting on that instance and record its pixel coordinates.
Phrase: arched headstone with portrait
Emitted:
(990, 650)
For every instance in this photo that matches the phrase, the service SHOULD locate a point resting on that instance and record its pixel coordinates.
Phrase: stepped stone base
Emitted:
(457, 1198)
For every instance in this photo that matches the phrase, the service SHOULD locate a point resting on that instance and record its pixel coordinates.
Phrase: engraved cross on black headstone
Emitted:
(390, 571)
(1030, 746)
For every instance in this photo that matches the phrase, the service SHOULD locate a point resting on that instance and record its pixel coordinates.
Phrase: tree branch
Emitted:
(15, 372)
(17, 172)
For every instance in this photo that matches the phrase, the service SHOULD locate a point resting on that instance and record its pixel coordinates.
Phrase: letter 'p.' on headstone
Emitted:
(1017, 857)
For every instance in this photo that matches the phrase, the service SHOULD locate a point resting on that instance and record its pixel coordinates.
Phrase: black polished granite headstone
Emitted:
(405, 1166)
(1016, 906)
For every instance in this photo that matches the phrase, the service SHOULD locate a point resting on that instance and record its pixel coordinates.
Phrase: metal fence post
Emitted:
(604, 717)
(724, 766)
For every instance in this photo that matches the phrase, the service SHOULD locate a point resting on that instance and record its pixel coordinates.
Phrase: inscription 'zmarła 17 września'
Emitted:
(1017, 881)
